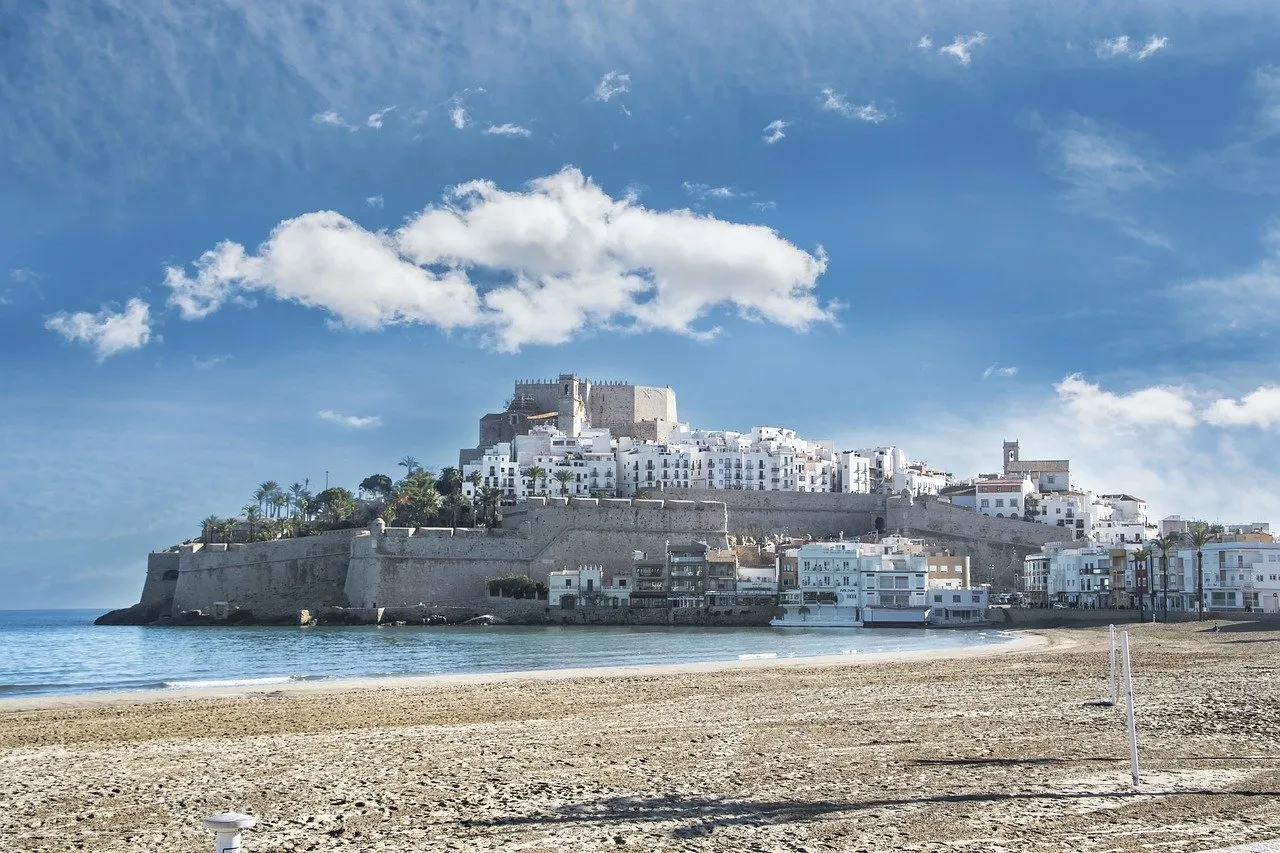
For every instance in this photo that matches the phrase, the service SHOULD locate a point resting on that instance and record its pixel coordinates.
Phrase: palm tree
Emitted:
(260, 495)
(1201, 535)
(536, 473)
(278, 502)
(489, 498)
(409, 464)
(564, 477)
(1164, 544)
(208, 528)
(1139, 557)
(252, 515)
(451, 478)
(454, 502)
(265, 494)
(227, 527)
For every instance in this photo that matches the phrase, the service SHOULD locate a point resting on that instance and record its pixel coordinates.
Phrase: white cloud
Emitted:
(1008, 371)
(375, 121)
(1122, 46)
(210, 362)
(1102, 168)
(25, 279)
(459, 116)
(962, 47)
(764, 205)
(331, 118)
(925, 43)
(507, 130)
(1245, 300)
(349, 421)
(1149, 49)
(611, 85)
(107, 332)
(22, 275)
(558, 259)
(374, 200)
(1161, 405)
(1260, 408)
(702, 192)
(833, 101)
(773, 131)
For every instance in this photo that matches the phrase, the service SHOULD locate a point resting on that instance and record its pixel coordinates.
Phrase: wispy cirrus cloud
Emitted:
(374, 201)
(1245, 300)
(567, 259)
(107, 332)
(1000, 372)
(349, 421)
(332, 119)
(925, 43)
(962, 47)
(507, 130)
(611, 85)
(1121, 46)
(375, 120)
(702, 192)
(1103, 170)
(774, 131)
(835, 102)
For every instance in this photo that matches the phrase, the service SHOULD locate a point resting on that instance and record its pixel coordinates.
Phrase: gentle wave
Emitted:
(228, 682)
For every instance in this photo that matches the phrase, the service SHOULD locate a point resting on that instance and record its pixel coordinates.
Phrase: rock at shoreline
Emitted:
(138, 614)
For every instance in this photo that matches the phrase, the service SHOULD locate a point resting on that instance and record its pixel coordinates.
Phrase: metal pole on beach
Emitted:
(1128, 692)
(226, 828)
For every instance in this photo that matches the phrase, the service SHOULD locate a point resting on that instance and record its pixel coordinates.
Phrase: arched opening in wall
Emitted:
(171, 575)
(880, 525)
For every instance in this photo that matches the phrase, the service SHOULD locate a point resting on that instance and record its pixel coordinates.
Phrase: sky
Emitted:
(245, 241)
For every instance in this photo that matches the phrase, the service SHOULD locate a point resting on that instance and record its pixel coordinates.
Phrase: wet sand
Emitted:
(998, 751)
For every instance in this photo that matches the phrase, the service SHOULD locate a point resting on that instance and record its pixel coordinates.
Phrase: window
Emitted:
(937, 599)
(999, 501)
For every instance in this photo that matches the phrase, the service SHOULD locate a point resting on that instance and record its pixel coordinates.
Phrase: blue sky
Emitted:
(934, 224)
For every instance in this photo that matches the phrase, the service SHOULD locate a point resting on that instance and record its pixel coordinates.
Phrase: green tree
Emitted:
(335, 504)
(1164, 544)
(265, 495)
(1031, 508)
(209, 528)
(227, 529)
(409, 464)
(415, 501)
(1142, 555)
(252, 515)
(564, 478)
(1199, 536)
(377, 484)
(489, 499)
(449, 482)
(538, 473)
(453, 504)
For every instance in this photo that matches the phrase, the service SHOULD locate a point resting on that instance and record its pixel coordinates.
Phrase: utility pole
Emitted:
(326, 481)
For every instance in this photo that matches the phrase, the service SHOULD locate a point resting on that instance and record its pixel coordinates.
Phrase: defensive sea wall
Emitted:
(402, 566)
(817, 514)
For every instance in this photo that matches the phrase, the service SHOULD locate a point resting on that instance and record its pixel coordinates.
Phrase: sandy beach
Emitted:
(999, 749)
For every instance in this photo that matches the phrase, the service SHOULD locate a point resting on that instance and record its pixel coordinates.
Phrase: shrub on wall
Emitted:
(516, 586)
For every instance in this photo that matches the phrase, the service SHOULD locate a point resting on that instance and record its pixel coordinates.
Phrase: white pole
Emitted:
(1128, 691)
(1111, 648)
(226, 828)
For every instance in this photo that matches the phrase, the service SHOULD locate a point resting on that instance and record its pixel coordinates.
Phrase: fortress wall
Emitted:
(272, 579)
(162, 578)
(818, 514)
(401, 568)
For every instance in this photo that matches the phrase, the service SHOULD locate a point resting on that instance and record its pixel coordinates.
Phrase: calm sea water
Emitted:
(61, 651)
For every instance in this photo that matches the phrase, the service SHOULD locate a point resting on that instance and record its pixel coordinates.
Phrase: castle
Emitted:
(573, 405)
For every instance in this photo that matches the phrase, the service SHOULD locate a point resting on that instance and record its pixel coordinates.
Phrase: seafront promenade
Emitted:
(1004, 749)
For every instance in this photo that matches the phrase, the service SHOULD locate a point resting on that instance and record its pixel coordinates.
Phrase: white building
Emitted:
(853, 473)
(584, 586)
(1002, 497)
(757, 580)
(497, 471)
(1237, 576)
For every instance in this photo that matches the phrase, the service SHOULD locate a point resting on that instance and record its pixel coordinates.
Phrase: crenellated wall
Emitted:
(818, 514)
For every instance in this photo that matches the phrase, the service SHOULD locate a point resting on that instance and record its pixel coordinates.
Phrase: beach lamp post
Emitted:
(227, 828)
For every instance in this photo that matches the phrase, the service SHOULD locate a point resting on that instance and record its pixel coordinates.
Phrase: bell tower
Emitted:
(1010, 453)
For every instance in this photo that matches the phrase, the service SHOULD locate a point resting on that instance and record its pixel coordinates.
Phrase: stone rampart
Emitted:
(817, 514)
(273, 580)
(162, 579)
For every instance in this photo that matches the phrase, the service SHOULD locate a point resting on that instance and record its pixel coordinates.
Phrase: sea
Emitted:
(45, 652)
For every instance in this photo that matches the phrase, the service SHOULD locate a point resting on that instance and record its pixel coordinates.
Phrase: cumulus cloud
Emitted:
(375, 121)
(702, 192)
(1260, 408)
(332, 119)
(1160, 405)
(555, 259)
(962, 47)
(106, 332)
(349, 421)
(459, 116)
(374, 200)
(833, 101)
(507, 130)
(611, 85)
(996, 370)
(1122, 46)
(773, 131)
(925, 43)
